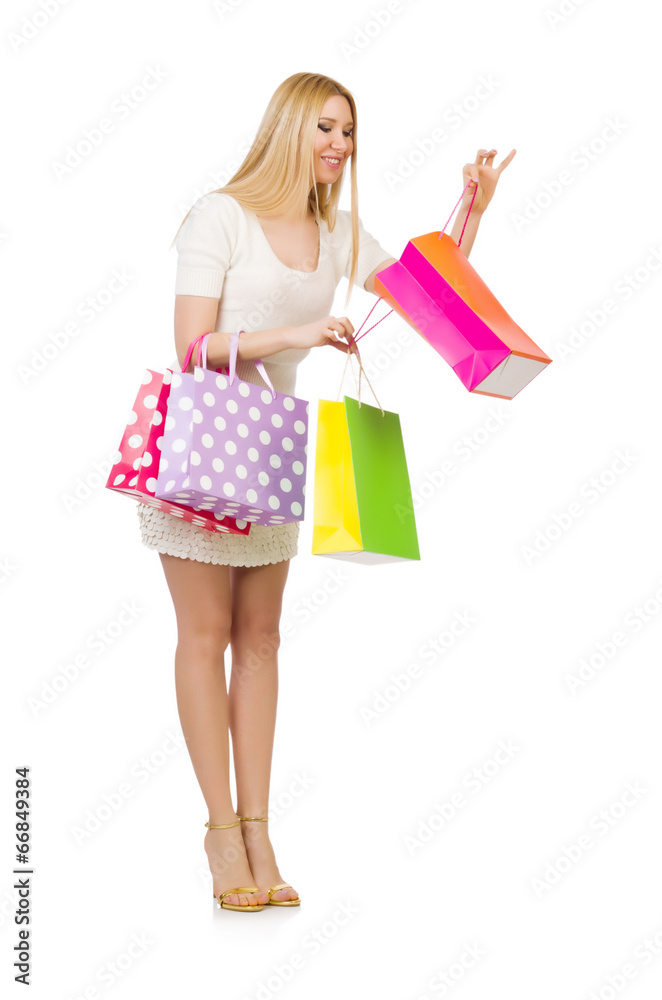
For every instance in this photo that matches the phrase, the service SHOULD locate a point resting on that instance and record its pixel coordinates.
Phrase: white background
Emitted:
(349, 795)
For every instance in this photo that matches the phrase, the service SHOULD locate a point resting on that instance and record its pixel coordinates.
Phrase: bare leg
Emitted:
(257, 595)
(202, 598)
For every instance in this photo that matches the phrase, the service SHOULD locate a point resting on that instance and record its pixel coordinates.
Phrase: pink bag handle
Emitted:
(191, 346)
(234, 347)
(356, 337)
(468, 213)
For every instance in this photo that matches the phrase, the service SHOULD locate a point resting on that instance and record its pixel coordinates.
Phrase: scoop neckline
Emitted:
(273, 253)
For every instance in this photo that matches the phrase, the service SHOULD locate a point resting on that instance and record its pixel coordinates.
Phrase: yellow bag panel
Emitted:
(336, 514)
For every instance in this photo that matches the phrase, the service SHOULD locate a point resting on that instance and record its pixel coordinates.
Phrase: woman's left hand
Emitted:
(487, 175)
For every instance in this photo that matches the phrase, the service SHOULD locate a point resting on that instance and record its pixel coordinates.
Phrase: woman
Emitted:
(264, 255)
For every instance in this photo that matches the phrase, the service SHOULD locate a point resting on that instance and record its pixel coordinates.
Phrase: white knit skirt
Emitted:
(263, 544)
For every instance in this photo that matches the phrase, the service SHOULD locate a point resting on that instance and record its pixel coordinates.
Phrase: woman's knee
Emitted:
(202, 597)
(207, 640)
(255, 648)
(256, 611)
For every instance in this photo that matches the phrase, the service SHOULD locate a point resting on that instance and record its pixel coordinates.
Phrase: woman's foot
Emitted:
(229, 866)
(262, 860)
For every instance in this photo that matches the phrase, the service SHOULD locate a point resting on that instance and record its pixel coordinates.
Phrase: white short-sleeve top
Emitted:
(223, 253)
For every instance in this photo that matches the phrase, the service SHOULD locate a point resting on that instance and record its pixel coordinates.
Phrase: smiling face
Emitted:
(333, 142)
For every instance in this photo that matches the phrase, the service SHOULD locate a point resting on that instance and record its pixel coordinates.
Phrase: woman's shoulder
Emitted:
(214, 218)
(217, 203)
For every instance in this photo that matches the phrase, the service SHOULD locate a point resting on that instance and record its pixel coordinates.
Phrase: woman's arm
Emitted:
(196, 314)
(469, 232)
(369, 283)
(487, 176)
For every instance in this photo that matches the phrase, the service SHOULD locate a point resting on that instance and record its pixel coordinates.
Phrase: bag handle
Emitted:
(191, 346)
(468, 213)
(350, 354)
(234, 348)
(354, 339)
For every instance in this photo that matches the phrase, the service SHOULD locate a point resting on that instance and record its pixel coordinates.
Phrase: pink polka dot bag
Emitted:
(136, 461)
(234, 448)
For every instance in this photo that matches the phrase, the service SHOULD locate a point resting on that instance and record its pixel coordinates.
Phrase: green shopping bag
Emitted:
(363, 508)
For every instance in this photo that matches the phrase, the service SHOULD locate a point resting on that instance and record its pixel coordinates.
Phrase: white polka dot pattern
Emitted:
(249, 447)
(140, 451)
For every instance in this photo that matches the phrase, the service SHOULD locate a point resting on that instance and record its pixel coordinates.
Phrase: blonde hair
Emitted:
(277, 174)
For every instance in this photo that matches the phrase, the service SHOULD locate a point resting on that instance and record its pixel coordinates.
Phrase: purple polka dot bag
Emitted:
(232, 447)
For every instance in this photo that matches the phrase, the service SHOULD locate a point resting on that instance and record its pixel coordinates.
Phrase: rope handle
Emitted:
(354, 339)
(468, 213)
(351, 354)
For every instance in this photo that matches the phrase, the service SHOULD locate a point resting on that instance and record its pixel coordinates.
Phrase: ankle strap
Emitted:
(254, 819)
(221, 826)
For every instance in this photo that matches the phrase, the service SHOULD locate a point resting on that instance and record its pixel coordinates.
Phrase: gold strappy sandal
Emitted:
(281, 885)
(228, 892)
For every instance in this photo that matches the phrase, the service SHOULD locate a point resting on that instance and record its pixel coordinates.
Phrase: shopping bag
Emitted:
(234, 448)
(437, 291)
(363, 507)
(137, 459)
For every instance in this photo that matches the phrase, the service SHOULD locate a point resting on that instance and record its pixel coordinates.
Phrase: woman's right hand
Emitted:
(338, 332)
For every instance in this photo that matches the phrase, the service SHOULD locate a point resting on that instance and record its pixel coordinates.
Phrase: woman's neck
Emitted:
(290, 217)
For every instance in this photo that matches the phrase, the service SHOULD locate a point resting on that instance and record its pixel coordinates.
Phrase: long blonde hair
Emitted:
(277, 174)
